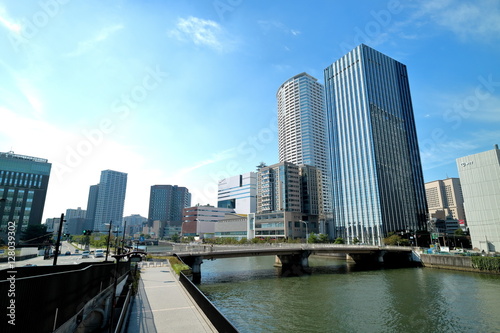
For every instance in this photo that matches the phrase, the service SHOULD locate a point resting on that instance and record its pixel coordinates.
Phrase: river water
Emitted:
(338, 297)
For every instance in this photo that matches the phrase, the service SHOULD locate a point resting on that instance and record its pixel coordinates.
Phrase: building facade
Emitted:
(166, 203)
(75, 221)
(91, 207)
(110, 200)
(23, 188)
(278, 188)
(377, 182)
(238, 193)
(199, 221)
(480, 180)
(134, 223)
(445, 199)
(302, 136)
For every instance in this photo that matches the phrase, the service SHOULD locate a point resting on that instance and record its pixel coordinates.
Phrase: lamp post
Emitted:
(307, 232)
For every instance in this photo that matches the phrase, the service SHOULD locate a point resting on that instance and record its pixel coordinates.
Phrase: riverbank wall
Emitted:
(453, 262)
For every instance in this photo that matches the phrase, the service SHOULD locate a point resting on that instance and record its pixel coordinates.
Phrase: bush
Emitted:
(490, 264)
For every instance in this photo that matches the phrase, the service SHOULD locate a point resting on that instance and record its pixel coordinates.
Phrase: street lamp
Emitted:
(307, 232)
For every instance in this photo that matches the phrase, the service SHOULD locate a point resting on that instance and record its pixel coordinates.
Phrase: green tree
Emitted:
(312, 238)
(355, 240)
(394, 239)
(339, 240)
(175, 238)
(323, 238)
(36, 234)
(459, 232)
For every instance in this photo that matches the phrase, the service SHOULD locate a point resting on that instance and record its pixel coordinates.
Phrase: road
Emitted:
(62, 259)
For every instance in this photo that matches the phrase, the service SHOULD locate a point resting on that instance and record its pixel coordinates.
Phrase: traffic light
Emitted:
(87, 232)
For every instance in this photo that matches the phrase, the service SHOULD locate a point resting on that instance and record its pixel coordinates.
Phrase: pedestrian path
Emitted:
(163, 305)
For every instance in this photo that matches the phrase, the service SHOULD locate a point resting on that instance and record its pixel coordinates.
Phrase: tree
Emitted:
(36, 234)
(355, 240)
(175, 238)
(312, 238)
(459, 232)
(394, 239)
(323, 238)
(339, 240)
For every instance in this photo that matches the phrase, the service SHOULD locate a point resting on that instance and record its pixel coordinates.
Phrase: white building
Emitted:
(238, 193)
(480, 179)
(302, 130)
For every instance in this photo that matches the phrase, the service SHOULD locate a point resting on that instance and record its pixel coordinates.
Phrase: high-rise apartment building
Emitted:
(377, 182)
(23, 188)
(480, 180)
(166, 203)
(444, 199)
(110, 199)
(302, 138)
(238, 193)
(75, 221)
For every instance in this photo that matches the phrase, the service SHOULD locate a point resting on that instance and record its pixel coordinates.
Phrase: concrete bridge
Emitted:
(294, 258)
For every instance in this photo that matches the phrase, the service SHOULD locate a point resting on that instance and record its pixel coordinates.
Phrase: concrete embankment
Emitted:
(454, 262)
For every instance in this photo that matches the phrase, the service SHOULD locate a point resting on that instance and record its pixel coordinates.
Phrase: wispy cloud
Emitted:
(466, 19)
(201, 32)
(8, 22)
(90, 44)
(215, 158)
(268, 25)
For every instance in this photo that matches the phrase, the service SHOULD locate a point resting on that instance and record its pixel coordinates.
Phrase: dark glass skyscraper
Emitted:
(166, 203)
(375, 161)
(23, 188)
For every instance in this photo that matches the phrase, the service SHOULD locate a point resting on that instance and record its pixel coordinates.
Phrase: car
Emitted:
(68, 253)
(77, 251)
(85, 254)
(99, 253)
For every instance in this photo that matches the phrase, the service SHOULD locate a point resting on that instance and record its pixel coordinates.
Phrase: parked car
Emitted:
(68, 253)
(85, 254)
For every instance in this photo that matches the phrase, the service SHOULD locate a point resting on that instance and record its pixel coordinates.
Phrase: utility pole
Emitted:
(58, 241)
(109, 237)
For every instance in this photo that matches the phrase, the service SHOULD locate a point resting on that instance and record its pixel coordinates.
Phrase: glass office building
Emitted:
(166, 203)
(23, 188)
(377, 182)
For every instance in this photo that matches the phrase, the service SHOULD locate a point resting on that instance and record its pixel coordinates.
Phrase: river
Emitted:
(338, 297)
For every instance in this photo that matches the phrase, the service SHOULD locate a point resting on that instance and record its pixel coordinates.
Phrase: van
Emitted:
(85, 254)
(99, 253)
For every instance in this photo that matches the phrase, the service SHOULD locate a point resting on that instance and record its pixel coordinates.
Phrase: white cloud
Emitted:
(267, 25)
(201, 32)
(90, 44)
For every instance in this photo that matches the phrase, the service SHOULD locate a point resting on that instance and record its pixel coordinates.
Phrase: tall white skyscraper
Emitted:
(302, 135)
(110, 199)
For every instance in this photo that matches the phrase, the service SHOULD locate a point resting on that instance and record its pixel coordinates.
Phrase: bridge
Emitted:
(294, 258)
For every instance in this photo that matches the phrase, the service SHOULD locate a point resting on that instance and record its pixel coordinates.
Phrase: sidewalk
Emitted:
(162, 305)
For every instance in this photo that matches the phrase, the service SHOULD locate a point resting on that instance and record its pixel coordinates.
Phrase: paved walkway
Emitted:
(162, 305)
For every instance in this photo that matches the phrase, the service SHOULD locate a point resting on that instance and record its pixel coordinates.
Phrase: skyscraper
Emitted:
(480, 179)
(166, 203)
(375, 161)
(238, 193)
(23, 188)
(444, 199)
(91, 207)
(110, 199)
(302, 135)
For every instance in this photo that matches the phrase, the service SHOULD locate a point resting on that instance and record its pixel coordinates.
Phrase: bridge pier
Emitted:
(195, 263)
(293, 264)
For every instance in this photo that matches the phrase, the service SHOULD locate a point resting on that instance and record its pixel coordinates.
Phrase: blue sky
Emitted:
(183, 92)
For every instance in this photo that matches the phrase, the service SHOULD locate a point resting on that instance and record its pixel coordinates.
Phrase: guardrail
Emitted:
(45, 297)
